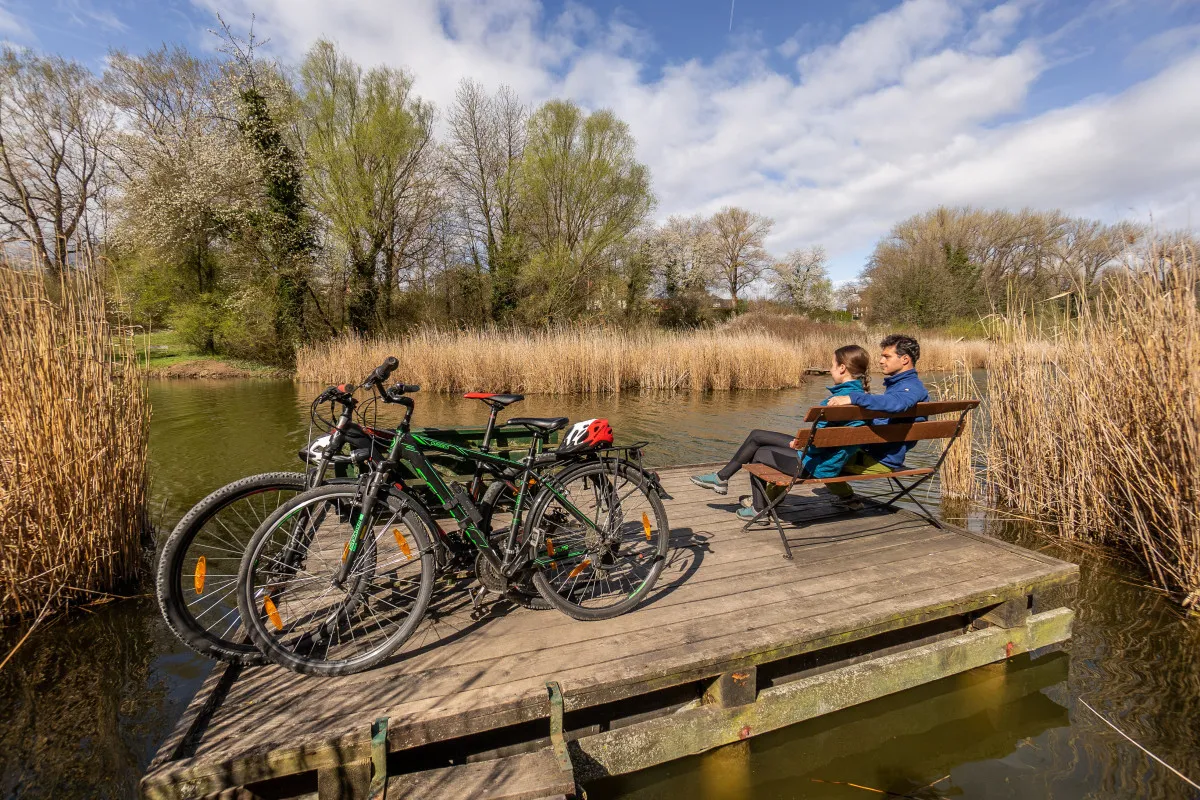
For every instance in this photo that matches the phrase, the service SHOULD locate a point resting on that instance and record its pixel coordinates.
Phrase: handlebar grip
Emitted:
(381, 373)
(409, 388)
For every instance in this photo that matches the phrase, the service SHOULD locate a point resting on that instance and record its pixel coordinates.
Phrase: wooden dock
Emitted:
(734, 641)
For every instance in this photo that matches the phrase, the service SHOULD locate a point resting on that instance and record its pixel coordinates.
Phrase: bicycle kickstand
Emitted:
(477, 609)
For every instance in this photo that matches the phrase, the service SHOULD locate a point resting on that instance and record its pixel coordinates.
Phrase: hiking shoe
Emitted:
(746, 513)
(711, 481)
(746, 501)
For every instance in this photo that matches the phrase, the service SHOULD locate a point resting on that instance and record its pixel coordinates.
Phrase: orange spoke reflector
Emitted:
(272, 613)
(201, 571)
(582, 566)
(646, 526)
(400, 540)
(549, 547)
(345, 551)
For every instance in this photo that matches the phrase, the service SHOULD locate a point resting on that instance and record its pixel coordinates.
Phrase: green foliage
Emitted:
(582, 195)
(199, 322)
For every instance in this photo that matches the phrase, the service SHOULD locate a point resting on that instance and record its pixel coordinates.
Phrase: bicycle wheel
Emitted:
(496, 508)
(601, 540)
(198, 566)
(296, 611)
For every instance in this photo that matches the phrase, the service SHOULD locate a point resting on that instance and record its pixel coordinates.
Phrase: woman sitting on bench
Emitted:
(780, 450)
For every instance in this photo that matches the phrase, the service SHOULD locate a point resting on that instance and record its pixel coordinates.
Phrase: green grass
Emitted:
(164, 348)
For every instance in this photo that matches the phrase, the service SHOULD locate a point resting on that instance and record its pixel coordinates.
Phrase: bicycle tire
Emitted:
(401, 506)
(235, 647)
(656, 537)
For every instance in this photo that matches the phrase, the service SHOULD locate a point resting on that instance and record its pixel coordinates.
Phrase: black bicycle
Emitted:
(339, 577)
(197, 569)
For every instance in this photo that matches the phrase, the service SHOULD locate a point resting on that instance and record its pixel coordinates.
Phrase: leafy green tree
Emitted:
(582, 196)
(366, 139)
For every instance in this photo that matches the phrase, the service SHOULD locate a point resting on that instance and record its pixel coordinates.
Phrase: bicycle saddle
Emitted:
(498, 399)
(545, 424)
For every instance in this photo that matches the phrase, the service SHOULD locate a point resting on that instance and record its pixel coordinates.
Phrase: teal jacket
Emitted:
(827, 462)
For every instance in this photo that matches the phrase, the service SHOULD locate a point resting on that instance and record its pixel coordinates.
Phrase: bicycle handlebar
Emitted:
(382, 372)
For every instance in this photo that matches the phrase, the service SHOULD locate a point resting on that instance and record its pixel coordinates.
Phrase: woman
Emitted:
(781, 450)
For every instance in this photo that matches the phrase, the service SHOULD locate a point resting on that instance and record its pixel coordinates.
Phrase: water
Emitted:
(88, 699)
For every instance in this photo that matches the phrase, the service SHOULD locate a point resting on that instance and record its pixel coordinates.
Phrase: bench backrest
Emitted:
(884, 434)
(853, 413)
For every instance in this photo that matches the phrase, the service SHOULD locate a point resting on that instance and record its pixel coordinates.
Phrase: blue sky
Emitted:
(837, 119)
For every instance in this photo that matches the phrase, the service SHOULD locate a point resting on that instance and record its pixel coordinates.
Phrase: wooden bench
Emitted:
(903, 429)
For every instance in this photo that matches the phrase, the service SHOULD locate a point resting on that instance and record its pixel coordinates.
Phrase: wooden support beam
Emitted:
(1009, 614)
(731, 689)
(690, 732)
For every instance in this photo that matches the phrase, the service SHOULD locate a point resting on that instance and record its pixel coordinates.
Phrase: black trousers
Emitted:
(763, 447)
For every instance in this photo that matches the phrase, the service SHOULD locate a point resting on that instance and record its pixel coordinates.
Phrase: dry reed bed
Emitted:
(939, 353)
(73, 436)
(583, 360)
(1096, 426)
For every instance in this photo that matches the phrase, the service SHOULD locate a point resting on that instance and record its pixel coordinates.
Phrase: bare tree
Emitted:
(741, 256)
(54, 125)
(801, 280)
(482, 161)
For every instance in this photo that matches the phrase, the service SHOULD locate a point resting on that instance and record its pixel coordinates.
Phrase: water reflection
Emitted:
(87, 701)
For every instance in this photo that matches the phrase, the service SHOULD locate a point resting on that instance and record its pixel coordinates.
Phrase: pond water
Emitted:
(86, 701)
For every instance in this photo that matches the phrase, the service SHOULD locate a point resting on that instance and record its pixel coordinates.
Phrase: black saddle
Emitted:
(544, 424)
(495, 399)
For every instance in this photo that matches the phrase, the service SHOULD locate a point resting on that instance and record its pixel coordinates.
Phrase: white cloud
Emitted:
(13, 26)
(914, 108)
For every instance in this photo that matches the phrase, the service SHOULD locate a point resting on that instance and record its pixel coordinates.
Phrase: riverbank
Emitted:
(167, 356)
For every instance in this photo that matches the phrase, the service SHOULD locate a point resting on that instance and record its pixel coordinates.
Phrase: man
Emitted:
(902, 389)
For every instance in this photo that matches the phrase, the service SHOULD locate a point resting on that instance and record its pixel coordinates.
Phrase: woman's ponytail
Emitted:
(857, 361)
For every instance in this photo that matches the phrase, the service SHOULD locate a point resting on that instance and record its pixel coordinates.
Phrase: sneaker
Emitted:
(746, 513)
(711, 481)
(746, 501)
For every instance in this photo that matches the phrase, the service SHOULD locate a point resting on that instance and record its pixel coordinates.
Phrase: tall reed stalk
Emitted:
(1095, 426)
(957, 475)
(73, 436)
(578, 360)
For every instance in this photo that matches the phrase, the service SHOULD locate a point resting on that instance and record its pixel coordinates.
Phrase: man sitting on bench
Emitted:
(902, 389)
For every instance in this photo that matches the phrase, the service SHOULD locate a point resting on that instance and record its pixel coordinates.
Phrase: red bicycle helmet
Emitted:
(587, 435)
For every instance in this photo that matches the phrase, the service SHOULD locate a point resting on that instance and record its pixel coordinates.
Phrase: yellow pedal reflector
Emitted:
(345, 552)
(400, 540)
(582, 566)
(646, 525)
(549, 547)
(201, 572)
(272, 613)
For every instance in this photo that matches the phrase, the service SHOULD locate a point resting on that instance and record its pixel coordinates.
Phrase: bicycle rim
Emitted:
(304, 619)
(603, 567)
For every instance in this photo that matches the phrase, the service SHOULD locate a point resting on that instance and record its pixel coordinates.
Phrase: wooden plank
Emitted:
(866, 435)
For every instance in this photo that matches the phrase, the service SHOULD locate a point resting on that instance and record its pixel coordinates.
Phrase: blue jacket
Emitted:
(827, 462)
(901, 392)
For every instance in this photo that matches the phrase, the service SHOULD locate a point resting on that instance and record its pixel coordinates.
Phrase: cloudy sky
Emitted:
(837, 119)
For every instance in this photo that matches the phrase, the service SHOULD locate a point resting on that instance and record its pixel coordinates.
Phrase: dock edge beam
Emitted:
(696, 730)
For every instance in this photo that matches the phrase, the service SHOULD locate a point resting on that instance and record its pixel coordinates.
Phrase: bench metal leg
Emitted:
(907, 490)
(769, 510)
